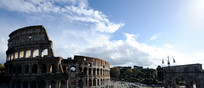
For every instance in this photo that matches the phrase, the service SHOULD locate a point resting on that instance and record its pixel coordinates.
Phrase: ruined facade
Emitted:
(190, 76)
(31, 63)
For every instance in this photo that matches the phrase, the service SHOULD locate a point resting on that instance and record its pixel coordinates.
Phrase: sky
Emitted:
(122, 32)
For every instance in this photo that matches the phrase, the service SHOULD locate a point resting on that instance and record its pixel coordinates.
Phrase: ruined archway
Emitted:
(183, 76)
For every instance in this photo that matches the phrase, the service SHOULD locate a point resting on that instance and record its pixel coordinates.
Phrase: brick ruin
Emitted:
(31, 63)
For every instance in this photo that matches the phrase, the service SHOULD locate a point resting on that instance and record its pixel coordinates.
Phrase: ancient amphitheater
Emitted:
(31, 63)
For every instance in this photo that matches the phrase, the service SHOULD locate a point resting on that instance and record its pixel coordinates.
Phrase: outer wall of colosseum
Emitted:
(31, 63)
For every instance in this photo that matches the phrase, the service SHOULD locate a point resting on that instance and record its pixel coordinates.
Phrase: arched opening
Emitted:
(33, 84)
(19, 69)
(80, 69)
(89, 64)
(53, 68)
(45, 52)
(90, 82)
(98, 82)
(42, 84)
(193, 84)
(25, 84)
(101, 82)
(85, 71)
(34, 68)
(73, 69)
(89, 71)
(101, 71)
(52, 84)
(36, 53)
(14, 69)
(43, 69)
(94, 82)
(64, 69)
(180, 82)
(21, 54)
(28, 53)
(94, 71)
(86, 83)
(11, 68)
(11, 56)
(16, 55)
(73, 84)
(63, 84)
(17, 84)
(97, 71)
(80, 84)
(26, 68)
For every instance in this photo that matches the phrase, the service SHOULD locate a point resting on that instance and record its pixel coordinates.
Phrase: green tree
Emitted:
(2, 66)
(115, 72)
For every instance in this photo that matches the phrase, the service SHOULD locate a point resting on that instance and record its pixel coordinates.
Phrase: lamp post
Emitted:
(168, 60)
(168, 63)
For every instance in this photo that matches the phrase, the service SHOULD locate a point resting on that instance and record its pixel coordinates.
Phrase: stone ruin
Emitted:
(31, 63)
(190, 76)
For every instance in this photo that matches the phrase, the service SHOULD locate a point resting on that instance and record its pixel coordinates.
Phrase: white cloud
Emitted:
(131, 52)
(75, 10)
(168, 46)
(155, 36)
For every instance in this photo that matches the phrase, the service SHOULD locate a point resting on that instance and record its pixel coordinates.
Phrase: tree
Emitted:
(2, 66)
(115, 72)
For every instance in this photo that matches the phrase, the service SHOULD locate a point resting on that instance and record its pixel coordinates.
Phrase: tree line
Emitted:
(137, 74)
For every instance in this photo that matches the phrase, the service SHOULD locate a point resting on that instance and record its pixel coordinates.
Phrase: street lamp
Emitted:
(168, 60)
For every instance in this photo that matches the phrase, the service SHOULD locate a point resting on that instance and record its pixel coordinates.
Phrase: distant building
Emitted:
(31, 63)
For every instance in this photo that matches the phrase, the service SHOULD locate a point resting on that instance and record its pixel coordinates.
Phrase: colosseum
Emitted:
(31, 63)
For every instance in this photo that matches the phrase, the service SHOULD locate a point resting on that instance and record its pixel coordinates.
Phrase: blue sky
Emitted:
(134, 32)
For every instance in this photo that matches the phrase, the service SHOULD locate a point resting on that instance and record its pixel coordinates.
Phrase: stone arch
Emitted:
(26, 69)
(16, 55)
(34, 68)
(85, 71)
(180, 81)
(45, 52)
(19, 68)
(53, 84)
(89, 71)
(73, 84)
(63, 84)
(53, 68)
(98, 82)
(43, 68)
(33, 84)
(89, 64)
(25, 84)
(14, 70)
(73, 69)
(80, 84)
(36, 53)
(42, 84)
(101, 82)
(101, 71)
(90, 82)
(97, 71)
(64, 69)
(28, 53)
(80, 69)
(11, 57)
(94, 71)
(94, 82)
(21, 54)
